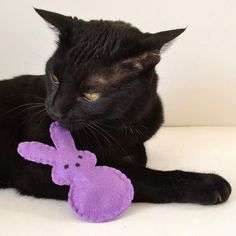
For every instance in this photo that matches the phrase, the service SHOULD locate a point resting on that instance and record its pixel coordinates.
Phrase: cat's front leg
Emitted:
(176, 186)
(35, 179)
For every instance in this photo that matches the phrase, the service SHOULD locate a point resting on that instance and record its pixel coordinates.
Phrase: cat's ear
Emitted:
(158, 40)
(149, 48)
(60, 22)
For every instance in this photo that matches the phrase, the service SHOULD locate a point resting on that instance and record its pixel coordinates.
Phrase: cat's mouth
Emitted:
(71, 124)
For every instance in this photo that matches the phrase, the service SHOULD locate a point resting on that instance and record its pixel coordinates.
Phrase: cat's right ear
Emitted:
(149, 48)
(58, 21)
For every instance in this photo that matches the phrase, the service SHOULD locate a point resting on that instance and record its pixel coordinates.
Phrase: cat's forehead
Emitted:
(96, 46)
(97, 41)
(104, 32)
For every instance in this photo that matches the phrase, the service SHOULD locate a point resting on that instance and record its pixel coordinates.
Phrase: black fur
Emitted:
(118, 61)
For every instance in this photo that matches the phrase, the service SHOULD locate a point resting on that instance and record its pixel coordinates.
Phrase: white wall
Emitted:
(198, 72)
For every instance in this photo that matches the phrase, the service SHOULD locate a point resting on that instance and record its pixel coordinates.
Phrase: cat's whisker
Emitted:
(138, 131)
(83, 134)
(105, 139)
(31, 107)
(94, 126)
(28, 109)
(43, 111)
(43, 116)
(18, 107)
(37, 114)
(28, 95)
(131, 130)
(94, 134)
(40, 111)
(80, 137)
(83, 130)
(110, 126)
(112, 138)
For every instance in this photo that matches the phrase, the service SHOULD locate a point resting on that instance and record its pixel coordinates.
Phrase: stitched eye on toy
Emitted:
(77, 164)
(91, 96)
(66, 166)
(54, 79)
(80, 157)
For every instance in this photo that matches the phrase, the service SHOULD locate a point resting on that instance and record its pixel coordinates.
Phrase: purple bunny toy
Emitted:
(97, 193)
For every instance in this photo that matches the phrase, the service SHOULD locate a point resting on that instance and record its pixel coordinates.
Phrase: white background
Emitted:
(197, 73)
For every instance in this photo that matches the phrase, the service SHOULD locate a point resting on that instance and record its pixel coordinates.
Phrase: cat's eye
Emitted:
(91, 96)
(54, 79)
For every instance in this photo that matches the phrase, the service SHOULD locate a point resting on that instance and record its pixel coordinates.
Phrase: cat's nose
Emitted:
(59, 115)
(56, 114)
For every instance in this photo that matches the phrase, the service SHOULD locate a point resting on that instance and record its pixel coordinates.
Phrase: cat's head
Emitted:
(101, 70)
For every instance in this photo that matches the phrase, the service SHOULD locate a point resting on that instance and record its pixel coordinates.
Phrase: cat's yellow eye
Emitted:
(55, 80)
(91, 96)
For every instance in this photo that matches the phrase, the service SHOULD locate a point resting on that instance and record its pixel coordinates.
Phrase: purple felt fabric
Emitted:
(97, 193)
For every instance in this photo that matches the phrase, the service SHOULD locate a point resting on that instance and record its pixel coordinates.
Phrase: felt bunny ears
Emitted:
(97, 193)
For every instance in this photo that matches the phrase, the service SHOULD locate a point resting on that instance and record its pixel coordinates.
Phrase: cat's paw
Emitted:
(215, 190)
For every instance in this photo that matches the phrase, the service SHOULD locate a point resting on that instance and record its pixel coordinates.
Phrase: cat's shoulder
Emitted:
(23, 83)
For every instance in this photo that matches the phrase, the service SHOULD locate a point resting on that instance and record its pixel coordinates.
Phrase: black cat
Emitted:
(101, 84)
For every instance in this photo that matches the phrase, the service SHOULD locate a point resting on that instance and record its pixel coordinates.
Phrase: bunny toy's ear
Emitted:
(37, 152)
(61, 137)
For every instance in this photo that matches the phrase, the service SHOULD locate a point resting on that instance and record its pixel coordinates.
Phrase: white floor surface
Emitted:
(206, 149)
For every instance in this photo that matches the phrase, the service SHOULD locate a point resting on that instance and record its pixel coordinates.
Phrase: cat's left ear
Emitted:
(149, 48)
(60, 22)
